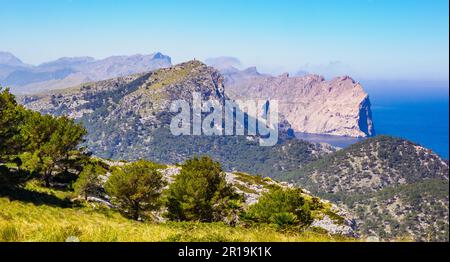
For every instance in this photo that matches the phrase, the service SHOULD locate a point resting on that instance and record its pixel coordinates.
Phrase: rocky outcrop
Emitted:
(309, 103)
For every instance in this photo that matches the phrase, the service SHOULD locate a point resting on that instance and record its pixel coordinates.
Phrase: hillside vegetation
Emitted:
(395, 187)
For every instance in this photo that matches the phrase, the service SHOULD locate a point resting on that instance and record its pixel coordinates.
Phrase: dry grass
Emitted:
(20, 221)
(35, 218)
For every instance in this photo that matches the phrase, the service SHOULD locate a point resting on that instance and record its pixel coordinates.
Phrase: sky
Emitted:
(368, 39)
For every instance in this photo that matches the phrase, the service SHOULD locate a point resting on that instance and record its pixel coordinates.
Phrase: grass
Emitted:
(25, 220)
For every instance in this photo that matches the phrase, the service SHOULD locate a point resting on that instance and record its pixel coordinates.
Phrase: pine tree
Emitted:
(88, 182)
(11, 118)
(199, 192)
(136, 188)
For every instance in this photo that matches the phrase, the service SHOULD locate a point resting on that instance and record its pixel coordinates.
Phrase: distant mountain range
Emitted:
(71, 71)
(308, 102)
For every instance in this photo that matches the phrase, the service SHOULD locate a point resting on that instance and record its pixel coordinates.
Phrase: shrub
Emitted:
(284, 219)
(88, 182)
(200, 193)
(281, 206)
(136, 188)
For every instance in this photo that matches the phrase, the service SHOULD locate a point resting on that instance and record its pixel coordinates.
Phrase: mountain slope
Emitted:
(8, 59)
(8, 64)
(128, 118)
(395, 187)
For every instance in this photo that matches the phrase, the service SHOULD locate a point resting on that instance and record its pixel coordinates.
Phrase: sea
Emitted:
(423, 119)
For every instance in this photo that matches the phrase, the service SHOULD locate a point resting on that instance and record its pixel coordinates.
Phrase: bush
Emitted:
(136, 188)
(200, 193)
(88, 182)
(284, 219)
(281, 207)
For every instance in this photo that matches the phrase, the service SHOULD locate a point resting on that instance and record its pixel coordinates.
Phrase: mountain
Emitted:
(309, 102)
(67, 62)
(9, 63)
(395, 187)
(8, 59)
(129, 118)
(71, 71)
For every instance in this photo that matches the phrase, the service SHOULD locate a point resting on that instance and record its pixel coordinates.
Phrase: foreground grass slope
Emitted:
(39, 214)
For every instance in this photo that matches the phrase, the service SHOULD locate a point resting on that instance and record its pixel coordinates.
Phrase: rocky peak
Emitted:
(159, 55)
(345, 78)
(147, 95)
(313, 78)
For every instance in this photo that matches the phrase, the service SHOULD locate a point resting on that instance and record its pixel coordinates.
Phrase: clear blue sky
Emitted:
(371, 39)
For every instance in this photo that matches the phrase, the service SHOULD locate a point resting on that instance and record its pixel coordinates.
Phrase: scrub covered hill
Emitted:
(395, 187)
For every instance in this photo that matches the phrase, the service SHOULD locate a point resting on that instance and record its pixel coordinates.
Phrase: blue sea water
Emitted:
(424, 122)
(423, 119)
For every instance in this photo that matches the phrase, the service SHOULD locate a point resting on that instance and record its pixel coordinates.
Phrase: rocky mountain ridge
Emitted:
(71, 71)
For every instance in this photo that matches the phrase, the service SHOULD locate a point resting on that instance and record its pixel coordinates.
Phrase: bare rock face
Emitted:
(309, 103)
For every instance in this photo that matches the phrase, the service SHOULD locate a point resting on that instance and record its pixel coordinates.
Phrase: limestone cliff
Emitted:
(309, 103)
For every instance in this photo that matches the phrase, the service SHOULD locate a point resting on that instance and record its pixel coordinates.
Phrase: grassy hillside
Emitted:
(40, 214)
